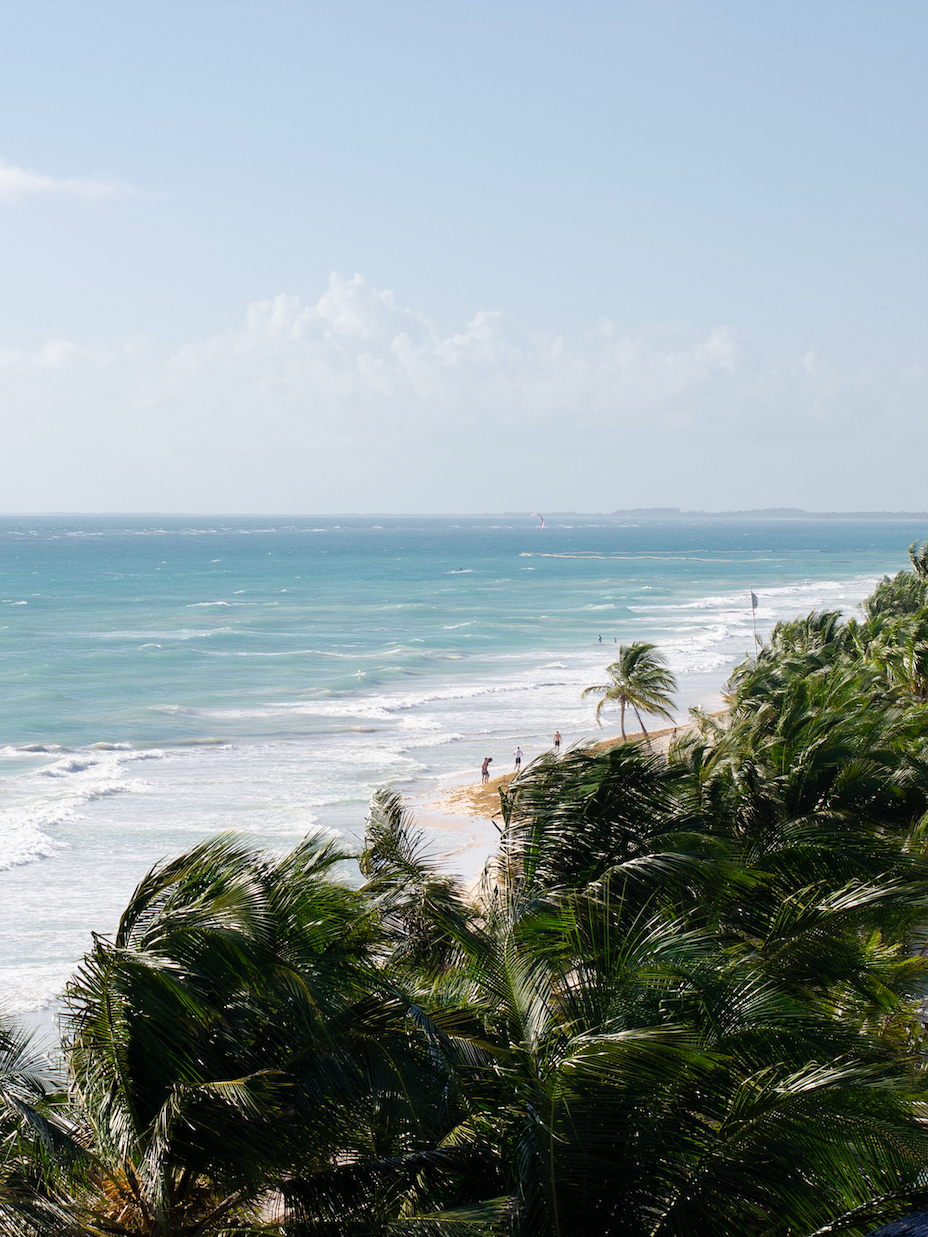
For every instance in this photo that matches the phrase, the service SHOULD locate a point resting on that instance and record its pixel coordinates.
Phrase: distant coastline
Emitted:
(767, 513)
(653, 513)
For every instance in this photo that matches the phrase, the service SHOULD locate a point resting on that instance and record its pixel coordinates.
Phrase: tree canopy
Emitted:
(638, 680)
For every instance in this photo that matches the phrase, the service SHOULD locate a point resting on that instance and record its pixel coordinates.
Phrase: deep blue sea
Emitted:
(166, 678)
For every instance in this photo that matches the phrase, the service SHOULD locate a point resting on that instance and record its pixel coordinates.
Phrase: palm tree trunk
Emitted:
(622, 720)
(643, 731)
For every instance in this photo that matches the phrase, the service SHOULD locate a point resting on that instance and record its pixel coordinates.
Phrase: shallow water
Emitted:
(164, 679)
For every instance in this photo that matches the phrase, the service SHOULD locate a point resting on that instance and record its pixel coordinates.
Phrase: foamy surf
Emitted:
(39, 802)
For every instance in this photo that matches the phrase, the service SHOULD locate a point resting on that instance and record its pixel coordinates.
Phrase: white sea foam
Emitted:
(36, 803)
(22, 836)
(28, 989)
(815, 592)
(181, 633)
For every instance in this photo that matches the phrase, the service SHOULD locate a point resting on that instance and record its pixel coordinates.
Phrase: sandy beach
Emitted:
(467, 815)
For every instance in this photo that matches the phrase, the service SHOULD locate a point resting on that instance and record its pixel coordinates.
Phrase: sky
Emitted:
(463, 256)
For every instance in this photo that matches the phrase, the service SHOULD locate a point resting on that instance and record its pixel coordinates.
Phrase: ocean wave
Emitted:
(700, 661)
(33, 748)
(380, 707)
(91, 777)
(807, 589)
(42, 799)
(430, 741)
(182, 633)
(30, 989)
(22, 836)
(201, 742)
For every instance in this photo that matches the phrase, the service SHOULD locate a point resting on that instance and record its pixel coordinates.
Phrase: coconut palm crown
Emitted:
(639, 680)
(919, 556)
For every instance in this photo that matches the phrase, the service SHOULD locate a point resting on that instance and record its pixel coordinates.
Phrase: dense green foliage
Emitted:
(685, 1001)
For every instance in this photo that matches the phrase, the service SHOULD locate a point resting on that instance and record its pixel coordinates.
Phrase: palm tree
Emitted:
(919, 556)
(659, 984)
(639, 680)
(899, 647)
(412, 899)
(240, 1042)
(36, 1148)
(634, 1071)
(905, 593)
(212, 1036)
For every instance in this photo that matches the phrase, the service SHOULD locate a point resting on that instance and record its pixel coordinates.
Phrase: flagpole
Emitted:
(753, 622)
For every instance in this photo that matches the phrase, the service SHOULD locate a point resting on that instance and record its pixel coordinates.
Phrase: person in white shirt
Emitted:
(518, 755)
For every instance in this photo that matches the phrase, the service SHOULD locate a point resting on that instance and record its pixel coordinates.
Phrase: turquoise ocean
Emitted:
(164, 678)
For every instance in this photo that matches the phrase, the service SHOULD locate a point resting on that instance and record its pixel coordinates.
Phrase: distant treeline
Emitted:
(769, 513)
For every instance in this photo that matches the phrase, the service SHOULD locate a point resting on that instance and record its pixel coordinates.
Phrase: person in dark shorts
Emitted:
(485, 769)
(518, 755)
(557, 740)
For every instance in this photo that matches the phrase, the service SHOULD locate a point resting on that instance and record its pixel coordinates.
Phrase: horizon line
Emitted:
(785, 513)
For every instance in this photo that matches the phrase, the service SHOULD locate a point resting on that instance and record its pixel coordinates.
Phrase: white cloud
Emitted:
(355, 403)
(355, 352)
(17, 182)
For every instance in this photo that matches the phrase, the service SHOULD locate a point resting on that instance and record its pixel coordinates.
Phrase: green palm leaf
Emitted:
(638, 680)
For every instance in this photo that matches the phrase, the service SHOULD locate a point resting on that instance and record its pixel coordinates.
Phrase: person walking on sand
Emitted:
(485, 769)
(518, 755)
(557, 741)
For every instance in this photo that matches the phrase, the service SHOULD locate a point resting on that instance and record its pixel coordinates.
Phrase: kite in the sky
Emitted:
(539, 517)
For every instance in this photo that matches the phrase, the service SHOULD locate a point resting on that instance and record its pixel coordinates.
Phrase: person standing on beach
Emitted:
(485, 769)
(518, 755)
(557, 741)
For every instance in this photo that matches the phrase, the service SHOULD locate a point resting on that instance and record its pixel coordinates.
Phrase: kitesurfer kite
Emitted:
(539, 517)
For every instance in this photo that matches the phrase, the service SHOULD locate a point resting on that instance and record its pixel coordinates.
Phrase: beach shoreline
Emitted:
(468, 814)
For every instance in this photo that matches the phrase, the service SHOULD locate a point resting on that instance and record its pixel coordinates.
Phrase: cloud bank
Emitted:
(358, 404)
(17, 183)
